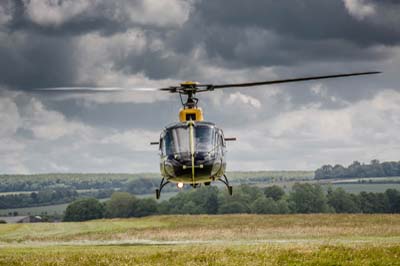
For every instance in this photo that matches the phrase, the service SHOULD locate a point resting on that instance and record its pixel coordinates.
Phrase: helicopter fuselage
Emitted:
(192, 152)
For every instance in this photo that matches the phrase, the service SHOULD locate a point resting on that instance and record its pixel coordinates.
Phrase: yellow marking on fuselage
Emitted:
(196, 112)
(188, 83)
(191, 140)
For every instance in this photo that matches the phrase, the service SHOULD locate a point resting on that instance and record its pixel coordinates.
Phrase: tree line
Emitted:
(358, 170)
(49, 196)
(142, 183)
(303, 198)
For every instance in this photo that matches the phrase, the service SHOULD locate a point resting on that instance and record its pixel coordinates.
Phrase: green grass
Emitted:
(320, 239)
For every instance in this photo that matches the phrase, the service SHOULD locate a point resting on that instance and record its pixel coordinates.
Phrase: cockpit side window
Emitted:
(168, 144)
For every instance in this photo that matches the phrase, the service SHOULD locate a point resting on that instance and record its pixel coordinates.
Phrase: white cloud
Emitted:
(11, 149)
(5, 15)
(166, 13)
(97, 58)
(160, 13)
(300, 138)
(238, 98)
(312, 123)
(360, 8)
(55, 12)
(310, 137)
(49, 125)
(382, 13)
(35, 139)
(135, 140)
(9, 117)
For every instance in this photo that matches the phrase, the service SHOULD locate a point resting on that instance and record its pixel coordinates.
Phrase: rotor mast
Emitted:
(190, 111)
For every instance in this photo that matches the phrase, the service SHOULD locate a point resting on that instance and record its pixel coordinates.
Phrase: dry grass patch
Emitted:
(204, 255)
(212, 227)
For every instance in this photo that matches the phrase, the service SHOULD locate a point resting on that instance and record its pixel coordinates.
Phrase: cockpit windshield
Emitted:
(204, 138)
(177, 139)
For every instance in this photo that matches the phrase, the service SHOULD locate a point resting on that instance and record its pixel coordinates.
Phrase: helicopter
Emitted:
(192, 151)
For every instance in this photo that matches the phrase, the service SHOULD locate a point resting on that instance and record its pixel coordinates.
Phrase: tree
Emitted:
(145, 207)
(206, 198)
(142, 185)
(307, 198)
(372, 202)
(275, 192)
(341, 201)
(325, 171)
(339, 171)
(121, 204)
(233, 207)
(83, 210)
(211, 203)
(191, 208)
(393, 200)
(244, 195)
(265, 206)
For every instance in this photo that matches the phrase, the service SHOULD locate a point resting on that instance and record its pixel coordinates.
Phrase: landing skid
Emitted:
(226, 182)
(223, 180)
(162, 184)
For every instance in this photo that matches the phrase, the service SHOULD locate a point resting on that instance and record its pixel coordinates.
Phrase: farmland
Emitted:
(116, 182)
(207, 240)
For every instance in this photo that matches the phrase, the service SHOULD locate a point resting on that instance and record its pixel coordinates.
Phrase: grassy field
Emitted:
(207, 240)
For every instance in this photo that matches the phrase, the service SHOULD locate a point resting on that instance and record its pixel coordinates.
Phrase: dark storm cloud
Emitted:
(273, 33)
(304, 19)
(40, 50)
(233, 36)
(29, 61)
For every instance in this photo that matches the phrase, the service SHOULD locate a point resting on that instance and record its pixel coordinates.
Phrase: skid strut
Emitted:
(226, 182)
(162, 184)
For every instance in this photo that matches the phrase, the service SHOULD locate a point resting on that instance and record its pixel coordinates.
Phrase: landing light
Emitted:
(180, 185)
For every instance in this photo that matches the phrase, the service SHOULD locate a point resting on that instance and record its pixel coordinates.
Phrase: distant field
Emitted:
(273, 175)
(15, 193)
(369, 180)
(51, 209)
(372, 187)
(60, 208)
(207, 240)
(57, 209)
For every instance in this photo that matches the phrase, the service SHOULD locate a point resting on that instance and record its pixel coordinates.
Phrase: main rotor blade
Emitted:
(250, 84)
(94, 89)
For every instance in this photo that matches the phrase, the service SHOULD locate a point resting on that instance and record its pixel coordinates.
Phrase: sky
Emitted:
(152, 43)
